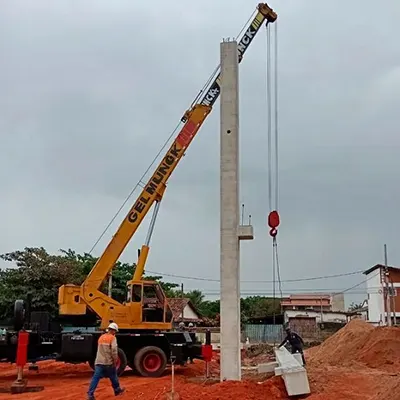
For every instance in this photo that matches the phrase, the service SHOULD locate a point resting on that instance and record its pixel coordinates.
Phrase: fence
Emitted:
(263, 333)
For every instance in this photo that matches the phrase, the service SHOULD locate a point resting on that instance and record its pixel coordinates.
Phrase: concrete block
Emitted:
(293, 373)
(246, 232)
(298, 358)
(267, 367)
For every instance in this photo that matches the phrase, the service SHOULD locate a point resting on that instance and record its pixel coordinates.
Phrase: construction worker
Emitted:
(296, 342)
(181, 326)
(191, 329)
(106, 362)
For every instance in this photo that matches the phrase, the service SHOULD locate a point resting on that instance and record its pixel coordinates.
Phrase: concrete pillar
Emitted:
(230, 256)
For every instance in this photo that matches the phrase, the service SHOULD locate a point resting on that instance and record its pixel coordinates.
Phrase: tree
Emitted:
(210, 309)
(259, 306)
(196, 297)
(355, 306)
(39, 275)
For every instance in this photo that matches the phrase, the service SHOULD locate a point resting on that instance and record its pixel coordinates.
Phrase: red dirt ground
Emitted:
(357, 363)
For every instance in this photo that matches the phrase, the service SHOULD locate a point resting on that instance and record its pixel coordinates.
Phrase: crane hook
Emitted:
(273, 222)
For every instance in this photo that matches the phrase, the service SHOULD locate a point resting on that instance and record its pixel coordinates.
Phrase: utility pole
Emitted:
(183, 306)
(387, 290)
(393, 302)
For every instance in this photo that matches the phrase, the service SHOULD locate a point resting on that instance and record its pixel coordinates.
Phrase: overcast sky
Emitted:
(90, 90)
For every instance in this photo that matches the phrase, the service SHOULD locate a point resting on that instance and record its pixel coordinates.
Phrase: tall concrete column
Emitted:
(230, 282)
(231, 230)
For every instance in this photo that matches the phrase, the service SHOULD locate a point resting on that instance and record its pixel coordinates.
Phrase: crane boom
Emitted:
(155, 187)
(264, 13)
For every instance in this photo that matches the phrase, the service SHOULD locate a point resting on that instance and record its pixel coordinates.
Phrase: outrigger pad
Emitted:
(19, 387)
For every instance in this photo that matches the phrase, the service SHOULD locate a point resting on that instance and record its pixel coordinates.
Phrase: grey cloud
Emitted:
(91, 90)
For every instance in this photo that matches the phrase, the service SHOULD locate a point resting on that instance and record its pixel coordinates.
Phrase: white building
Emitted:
(324, 316)
(376, 290)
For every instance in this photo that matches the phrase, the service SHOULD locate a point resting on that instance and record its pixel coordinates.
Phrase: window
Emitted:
(136, 293)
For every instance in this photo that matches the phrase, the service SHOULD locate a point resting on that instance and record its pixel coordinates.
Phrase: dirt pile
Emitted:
(389, 391)
(359, 342)
(257, 354)
(271, 389)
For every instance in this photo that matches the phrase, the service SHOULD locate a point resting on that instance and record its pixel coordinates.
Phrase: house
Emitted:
(376, 278)
(314, 301)
(184, 310)
(307, 313)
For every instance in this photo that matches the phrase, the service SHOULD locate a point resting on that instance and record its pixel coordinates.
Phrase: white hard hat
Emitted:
(113, 326)
(191, 325)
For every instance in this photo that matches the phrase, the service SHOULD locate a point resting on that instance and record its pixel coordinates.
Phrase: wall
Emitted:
(306, 327)
(376, 297)
(326, 317)
(189, 313)
(263, 333)
(338, 302)
(376, 307)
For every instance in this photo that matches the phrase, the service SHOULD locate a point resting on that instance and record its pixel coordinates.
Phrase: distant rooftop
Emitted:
(308, 299)
(378, 266)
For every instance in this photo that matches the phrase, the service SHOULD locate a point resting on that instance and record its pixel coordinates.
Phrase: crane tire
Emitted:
(150, 361)
(121, 365)
(19, 314)
(122, 362)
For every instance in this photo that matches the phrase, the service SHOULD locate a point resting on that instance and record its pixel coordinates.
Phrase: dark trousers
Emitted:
(104, 371)
(296, 349)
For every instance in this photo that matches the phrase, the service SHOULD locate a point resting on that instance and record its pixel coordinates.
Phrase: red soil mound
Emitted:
(360, 342)
(273, 388)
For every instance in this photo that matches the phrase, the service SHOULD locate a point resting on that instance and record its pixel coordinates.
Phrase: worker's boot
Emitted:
(119, 391)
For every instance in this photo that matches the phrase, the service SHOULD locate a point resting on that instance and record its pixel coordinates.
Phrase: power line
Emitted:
(303, 291)
(358, 284)
(313, 278)
(270, 293)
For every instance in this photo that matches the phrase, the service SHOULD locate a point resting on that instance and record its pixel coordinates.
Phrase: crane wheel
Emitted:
(121, 363)
(19, 314)
(150, 361)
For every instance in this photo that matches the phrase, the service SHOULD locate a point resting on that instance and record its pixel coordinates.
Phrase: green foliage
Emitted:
(196, 297)
(258, 306)
(354, 306)
(210, 309)
(39, 275)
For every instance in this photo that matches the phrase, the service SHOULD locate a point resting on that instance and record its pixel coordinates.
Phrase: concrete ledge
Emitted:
(268, 367)
(246, 232)
(293, 373)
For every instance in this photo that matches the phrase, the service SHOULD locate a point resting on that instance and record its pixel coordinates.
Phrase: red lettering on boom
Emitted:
(186, 134)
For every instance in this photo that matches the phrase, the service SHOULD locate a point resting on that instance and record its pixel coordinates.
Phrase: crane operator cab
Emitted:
(148, 302)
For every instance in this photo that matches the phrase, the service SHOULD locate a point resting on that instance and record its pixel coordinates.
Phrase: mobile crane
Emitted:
(73, 300)
(145, 319)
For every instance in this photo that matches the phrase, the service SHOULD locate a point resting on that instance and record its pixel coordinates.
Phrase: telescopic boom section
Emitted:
(264, 14)
(154, 189)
